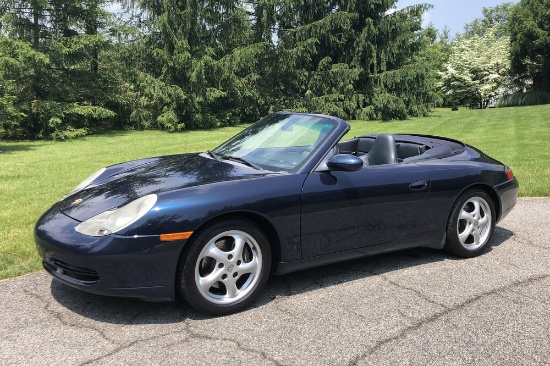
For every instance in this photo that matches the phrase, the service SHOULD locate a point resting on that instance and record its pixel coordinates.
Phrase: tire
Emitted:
(471, 224)
(225, 267)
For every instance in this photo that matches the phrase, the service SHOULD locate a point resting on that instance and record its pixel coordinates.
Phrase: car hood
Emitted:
(155, 175)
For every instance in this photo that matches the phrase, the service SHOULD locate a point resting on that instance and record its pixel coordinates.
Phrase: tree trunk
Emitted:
(91, 29)
(35, 27)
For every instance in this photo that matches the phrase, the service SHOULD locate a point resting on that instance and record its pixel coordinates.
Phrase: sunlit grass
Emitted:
(33, 175)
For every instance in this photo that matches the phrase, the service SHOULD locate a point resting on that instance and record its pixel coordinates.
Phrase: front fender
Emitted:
(276, 198)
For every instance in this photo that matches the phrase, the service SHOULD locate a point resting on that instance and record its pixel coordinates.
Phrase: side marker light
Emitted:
(509, 174)
(175, 236)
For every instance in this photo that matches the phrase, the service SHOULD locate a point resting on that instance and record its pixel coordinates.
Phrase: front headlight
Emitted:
(112, 221)
(87, 181)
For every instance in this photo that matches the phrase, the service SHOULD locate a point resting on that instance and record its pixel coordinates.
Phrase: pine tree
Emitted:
(354, 59)
(64, 94)
(205, 55)
(530, 44)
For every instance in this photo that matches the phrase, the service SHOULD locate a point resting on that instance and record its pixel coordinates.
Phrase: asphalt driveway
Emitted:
(414, 307)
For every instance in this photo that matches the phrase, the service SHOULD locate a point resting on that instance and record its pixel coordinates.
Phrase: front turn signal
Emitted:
(176, 236)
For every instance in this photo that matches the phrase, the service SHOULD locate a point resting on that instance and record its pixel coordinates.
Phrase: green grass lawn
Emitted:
(33, 175)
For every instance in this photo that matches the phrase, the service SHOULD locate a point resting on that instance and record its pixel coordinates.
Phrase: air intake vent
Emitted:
(81, 275)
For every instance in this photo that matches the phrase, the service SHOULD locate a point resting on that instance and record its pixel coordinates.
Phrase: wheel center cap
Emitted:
(230, 268)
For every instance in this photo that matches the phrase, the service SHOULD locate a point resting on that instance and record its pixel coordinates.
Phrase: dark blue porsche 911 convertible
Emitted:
(283, 195)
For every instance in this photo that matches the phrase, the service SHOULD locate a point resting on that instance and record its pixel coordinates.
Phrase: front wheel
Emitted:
(225, 267)
(471, 224)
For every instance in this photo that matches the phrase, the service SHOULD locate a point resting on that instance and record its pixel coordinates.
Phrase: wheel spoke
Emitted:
(477, 209)
(231, 286)
(476, 234)
(249, 267)
(215, 252)
(239, 246)
(465, 215)
(206, 282)
(466, 233)
(484, 220)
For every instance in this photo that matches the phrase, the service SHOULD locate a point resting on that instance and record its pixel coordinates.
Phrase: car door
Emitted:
(343, 210)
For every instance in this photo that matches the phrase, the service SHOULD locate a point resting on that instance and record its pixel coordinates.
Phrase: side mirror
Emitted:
(345, 162)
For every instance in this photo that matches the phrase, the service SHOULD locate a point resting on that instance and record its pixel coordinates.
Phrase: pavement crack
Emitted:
(416, 291)
(178, 342)
(525, 241)
(277, 303)
(512, 264)
(126, 346)
(436, 316)
(238, 344)
(59, 317)
(279, 296)
(529, 297)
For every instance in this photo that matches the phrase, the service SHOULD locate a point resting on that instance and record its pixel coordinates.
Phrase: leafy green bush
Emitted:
(60, 121)
(10, 117)
(521, 99)
(388, 107)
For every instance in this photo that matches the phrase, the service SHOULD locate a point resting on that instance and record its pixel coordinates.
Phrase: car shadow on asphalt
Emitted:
(131, 311)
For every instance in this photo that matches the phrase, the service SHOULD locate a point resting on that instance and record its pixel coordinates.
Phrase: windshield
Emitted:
(278, 142)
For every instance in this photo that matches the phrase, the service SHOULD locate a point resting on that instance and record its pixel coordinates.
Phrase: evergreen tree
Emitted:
(64, 94)
(205, 56)
(20, 66)
(530, 44)
(185, 64)
(354, 59)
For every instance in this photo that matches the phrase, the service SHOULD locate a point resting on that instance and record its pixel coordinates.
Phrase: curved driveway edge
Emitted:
(414, 307)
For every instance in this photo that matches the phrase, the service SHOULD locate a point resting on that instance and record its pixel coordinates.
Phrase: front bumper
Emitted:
(127, 266)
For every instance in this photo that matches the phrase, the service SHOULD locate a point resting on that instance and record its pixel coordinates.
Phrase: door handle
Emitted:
(418, 185)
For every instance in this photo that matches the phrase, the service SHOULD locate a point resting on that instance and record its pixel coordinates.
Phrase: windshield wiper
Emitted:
(214, 155)
(241, 160)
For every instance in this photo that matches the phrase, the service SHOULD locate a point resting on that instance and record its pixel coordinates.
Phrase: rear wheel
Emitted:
(225, 267)
(471, 224)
